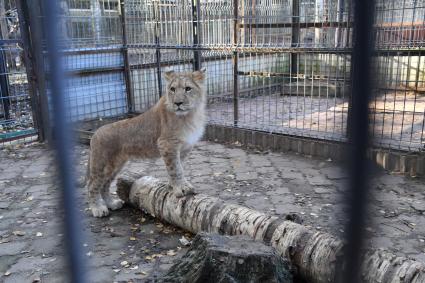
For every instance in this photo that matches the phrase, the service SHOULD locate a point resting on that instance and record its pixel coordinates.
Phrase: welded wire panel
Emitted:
(398, 106)
(400, 24)
(16, 117)
(16, 113)
(93, 58)
(216, 23)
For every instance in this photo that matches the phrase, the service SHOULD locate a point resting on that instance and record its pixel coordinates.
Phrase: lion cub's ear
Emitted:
(170, 75)
(199, 75)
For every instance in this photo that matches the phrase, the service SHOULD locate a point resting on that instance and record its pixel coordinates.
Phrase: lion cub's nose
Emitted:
(178, 103)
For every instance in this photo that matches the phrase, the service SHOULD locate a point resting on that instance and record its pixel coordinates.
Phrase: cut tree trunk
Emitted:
(218, 259)
(317, 256)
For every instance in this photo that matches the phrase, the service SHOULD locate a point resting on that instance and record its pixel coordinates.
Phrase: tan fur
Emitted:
(166, 130)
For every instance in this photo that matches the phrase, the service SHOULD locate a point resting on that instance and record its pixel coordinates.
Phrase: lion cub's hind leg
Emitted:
(103, 171)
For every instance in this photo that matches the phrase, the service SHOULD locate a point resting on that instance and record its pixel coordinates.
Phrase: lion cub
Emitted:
(169, 129)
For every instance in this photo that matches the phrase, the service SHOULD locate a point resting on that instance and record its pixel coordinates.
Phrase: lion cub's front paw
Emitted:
(113, 203)
(183, 189)
(99, 210)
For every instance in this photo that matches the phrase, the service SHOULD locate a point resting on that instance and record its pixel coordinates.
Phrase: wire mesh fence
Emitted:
(16, 117)
(275, 66)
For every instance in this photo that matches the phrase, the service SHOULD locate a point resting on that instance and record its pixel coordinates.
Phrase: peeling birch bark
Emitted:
(316, 255)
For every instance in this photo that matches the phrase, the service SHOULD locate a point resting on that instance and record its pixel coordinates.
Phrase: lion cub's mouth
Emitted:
(180, 111)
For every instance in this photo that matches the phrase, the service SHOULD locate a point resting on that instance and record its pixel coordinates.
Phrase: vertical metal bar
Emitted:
(29, 67)
(295, 35)
(339, 18)
(195, 29)
(156, 15)
(127, 67)
(34, 21)
(235, 62)
(63, 144)
(4, 86)
(358, 134)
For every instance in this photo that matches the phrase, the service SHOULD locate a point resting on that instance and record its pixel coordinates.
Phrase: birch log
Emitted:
(316, 255)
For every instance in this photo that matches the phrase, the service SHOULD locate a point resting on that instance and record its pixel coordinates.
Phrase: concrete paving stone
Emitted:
(19, 277)
(32, 263)
(12, 248)
(55, 277)
(318, 180)
(265, 170)
(101, 275)
(99, 260)
(334, 173)
(291, 175)
(246, 176)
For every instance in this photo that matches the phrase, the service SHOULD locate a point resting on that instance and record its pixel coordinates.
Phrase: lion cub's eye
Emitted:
(188, 88)
(172, 89)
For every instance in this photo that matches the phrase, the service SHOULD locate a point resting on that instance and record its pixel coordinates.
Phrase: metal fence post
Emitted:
(22, 9)
(235, 62)
(358, 138)
(34, 21)
(295, 36)
(157, 15)
(63, 143)
(195, 29)
(127, 66)
(4, 86)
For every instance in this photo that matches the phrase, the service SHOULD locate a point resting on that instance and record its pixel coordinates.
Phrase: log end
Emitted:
(124, 183)
(217, 258)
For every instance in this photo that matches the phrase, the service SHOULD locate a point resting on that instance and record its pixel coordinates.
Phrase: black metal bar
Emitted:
(63, 145)
(4, 86)
(295, 35)
(127, 69)
(296, 25)
(358, 139)
(235, 62)
(34, 21)
(22, 10)
(196, 29)
(157, 15)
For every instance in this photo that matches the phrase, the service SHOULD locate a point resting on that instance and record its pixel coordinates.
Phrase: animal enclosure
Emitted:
(281, 67)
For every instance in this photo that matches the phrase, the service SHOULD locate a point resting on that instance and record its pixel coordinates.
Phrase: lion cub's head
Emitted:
(185, 91)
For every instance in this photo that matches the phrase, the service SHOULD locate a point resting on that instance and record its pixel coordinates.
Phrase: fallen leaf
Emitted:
(18, 233)
(184, 241)
(124, 263)
(171, 253)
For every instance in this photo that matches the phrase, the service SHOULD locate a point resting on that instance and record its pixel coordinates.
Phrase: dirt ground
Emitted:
(131, 246)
